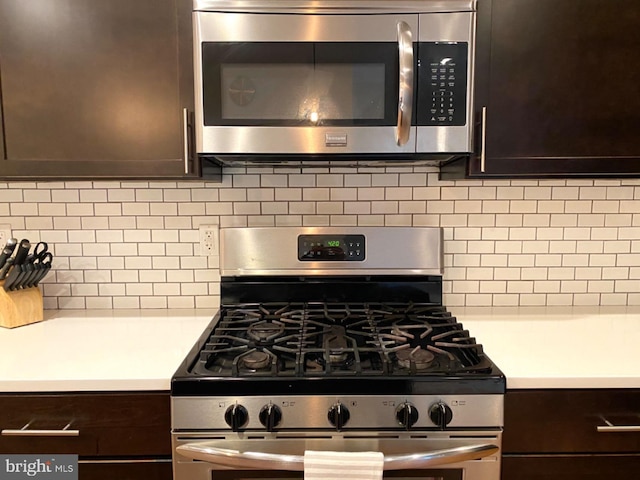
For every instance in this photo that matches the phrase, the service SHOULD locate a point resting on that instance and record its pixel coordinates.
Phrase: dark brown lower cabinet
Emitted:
(124, 435)
(131, 470)
(571, 434)
(570, 467)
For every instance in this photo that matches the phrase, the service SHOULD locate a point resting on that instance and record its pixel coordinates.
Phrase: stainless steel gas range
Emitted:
(335, 339)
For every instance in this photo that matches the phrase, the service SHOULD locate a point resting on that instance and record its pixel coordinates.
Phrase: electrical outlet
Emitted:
(209, 240)
(5, 234)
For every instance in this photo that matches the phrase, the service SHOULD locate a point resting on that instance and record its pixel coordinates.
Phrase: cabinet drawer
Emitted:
(567, 421)
(118, 424)
(574, 467)
(152, 470)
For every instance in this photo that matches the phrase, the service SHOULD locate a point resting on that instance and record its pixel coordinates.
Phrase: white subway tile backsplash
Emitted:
(586, 299)
(546, 286)
(494, 260)
(521, 260)
(468, 206)
(482, 193)
(384, 180)
(126, 302)
(620, 193)
(373, 193)
(550, 206)
(399, 193)
(509, 220)
(398, 220)
(413, 179)
(99, 302)
(149, 195)
(561, 273)
(510, 193)
(566, 193)
(414, 206)
(357, 180)
(495, 206)
(245, 208)
(385, 207)
(537, 193)
(613, 299)
(507, 242)
(481, 220)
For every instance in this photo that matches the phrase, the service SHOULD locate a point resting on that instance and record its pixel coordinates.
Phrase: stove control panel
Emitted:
(331, 248)
(348, 412)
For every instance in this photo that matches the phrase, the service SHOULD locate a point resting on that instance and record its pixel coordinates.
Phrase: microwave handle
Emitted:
(295, 463)
(405, 91)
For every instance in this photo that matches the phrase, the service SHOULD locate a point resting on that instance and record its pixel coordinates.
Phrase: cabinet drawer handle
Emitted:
(483, 144)
(25, 432)
(185, 127)
(611, 428)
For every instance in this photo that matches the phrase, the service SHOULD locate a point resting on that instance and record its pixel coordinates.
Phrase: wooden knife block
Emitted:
(20, 307)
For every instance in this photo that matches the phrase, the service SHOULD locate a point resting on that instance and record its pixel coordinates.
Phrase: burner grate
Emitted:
(339, 339)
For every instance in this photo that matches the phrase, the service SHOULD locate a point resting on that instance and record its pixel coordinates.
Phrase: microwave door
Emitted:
(304, 84)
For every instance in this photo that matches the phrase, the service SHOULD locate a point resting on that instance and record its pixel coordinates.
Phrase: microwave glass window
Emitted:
(307, 93)
(300, 84)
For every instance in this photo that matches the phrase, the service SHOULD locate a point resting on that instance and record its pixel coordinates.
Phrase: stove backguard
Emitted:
(331, 251)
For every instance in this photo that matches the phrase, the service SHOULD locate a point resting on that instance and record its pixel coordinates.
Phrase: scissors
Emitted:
(37, 265)
(40, 251)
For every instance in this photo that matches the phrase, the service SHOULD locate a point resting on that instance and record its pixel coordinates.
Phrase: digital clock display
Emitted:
(331, 248)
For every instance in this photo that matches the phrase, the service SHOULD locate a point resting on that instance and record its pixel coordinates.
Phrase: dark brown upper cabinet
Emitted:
(96, 89)
(558, 83)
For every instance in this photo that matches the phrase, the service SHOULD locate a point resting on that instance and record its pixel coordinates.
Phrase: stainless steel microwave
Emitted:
(290, 82)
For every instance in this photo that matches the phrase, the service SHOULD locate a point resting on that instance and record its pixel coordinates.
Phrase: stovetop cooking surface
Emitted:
(284, 347)
(318, 340)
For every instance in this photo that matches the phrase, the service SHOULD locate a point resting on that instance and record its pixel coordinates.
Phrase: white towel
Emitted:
(324, 465)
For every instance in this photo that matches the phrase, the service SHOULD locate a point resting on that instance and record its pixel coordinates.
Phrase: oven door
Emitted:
(436, 456)
(304, 84)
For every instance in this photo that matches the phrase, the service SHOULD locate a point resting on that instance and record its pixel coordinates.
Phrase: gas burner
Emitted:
(418, 357)
(255, 360)
(335, 342)
(265, 331)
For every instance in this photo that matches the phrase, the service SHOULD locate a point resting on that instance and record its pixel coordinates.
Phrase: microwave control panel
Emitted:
(342, 248)
(442, 88)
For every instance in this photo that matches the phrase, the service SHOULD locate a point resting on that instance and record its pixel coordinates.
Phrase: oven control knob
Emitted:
(236, 417)
(270, 416)
(440, 414)
(338, 415)
(407, 415)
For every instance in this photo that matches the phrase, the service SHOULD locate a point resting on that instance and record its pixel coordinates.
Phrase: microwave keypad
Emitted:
(443, 90)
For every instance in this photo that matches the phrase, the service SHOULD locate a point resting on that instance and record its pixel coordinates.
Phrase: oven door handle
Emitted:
(405, 90)
(295, 463)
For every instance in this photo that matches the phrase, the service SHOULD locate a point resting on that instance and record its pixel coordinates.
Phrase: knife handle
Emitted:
(5, 268)
(11, 244)
(22, 252)
(6, 253)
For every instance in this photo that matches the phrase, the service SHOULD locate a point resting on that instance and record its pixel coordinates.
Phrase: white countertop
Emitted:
(110, 350)
(122, 350)
(559, 347)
